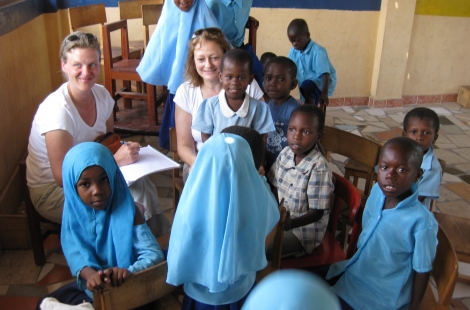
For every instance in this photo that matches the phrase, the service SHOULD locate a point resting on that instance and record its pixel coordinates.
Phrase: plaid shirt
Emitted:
(304, 187)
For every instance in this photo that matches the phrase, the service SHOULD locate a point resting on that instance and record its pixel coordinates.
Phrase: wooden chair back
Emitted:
(150, 15)
(178, 183)
(133, 9)
(36, 233)
(354, 147)
(87, 15)
(139, 289)
(444, 271)
(252, 32)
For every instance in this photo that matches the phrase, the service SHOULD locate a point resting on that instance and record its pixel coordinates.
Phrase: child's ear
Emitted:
(220, 76)
(320, 135)
(294, 84)
(435, 138)
(419, 174)
(250, 78)
(403, 133)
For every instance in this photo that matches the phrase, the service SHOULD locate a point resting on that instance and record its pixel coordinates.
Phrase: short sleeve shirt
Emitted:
(214, 115)
(307, 186)
(312, 63)
(430, 182)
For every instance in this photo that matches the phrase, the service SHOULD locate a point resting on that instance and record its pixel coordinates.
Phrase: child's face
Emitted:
(207, 59)
(235, 79)
(298, 39)
(93, 188)
(422, 131)
(302, 133)
(184, 5)
(278, 82)
(397, 172)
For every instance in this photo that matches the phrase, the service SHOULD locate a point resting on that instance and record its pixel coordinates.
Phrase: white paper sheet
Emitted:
(149, 161)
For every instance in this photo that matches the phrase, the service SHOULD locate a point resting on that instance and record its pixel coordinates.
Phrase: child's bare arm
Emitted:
(308, 218)
(324, 92)
(205, 136)
(93, 278)
(419, 287)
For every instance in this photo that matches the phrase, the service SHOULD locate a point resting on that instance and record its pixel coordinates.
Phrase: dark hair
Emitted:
(298, 25)
(239, 56)
(254, 139)
(422, 113)
(266, 57)
(285, 63)
(315, 112)
(411, 148)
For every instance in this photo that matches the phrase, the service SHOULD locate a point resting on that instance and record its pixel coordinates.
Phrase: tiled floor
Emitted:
(22, 283)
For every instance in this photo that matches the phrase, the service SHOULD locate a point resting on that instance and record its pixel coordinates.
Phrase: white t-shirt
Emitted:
(57, 112)
(189, 98)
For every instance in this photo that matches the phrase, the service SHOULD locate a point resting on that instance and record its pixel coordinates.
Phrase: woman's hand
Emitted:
(116, 276)
(127, 153)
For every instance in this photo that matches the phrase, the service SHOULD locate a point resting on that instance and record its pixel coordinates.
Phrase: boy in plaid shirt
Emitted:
(302, 177)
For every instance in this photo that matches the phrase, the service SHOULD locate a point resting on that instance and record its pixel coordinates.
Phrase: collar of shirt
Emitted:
(427, 159)
(227, 111)
(304, 166)
(306, 50)
(227, 2)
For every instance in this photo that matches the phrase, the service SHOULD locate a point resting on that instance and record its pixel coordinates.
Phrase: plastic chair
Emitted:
(125, 70)
(444, 271)
(330, 251)
(275, 263)
(178, 183)
(37, 233)
(139, 289)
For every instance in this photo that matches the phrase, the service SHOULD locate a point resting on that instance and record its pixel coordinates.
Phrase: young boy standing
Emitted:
(397, 246)
(279, 80)
(302, 177)
(315, 73)
(233, 106)
(422, 125)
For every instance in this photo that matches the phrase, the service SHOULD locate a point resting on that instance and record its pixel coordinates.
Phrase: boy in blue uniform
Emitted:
(422, 125)
(279, 80)
(315, 73)
(233, 106)
(398, 242)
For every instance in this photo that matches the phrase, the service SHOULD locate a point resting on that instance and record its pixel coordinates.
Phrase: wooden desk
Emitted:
(458, 231)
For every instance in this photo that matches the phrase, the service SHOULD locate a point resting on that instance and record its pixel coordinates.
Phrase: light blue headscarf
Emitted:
(97, 239)
(223, 217)
(292, 289)
(165, 57)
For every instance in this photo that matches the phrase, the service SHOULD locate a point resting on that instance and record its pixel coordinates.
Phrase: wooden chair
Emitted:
(87, 15)
(37, 233)
(178, 183)
(133, 10)
(252, 30)
(444, 271)
(150, 15)
(125, 70)
(330, 251)
(139, 289)
(275, 263)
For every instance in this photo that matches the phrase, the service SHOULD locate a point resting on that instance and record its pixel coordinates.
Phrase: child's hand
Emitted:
(323, 100)
(288, 223)
(261, 171)
(95, 281)
(116, 276)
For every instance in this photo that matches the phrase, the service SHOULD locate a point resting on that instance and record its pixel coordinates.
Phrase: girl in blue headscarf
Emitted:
(224, 217)
(165, 56)
(104, 237)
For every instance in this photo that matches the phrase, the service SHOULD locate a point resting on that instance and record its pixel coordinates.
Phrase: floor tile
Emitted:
(27, 290)
(18, 302)
(445, 121)
(45, 270)
(352, 123)
(463, 167)
(466, 302)
(461, 189)
(449, 157)
(161, 180)
(52, 242)
(359, 118)
(449, 178)
(464, 152)
(460, 140)
(375, 112)
(58, 259)
(441, 111)
(51, 288)
(3, 289)
(387, 135)
(458, 123)
(379, 124)
(167, 203)
(451, 129)
(464, 268)
(346, 127)
(163, 191)
(453, 171)
(446, 194)
(461, 290)
(356, 132)
(390, 122)
(56, 275)
(338, 157)
(465, 178)
(397, 118)
(456, 208)
(445, 145)
(443, 138)
(374, 129)
(338, 121)
(349, 110)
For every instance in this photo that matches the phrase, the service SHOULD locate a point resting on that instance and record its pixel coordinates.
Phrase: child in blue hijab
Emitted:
(165, 56)
(104, 236)
(224, 217)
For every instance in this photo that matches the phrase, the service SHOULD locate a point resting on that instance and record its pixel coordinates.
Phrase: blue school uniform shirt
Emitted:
(393, 244)
(214, 115)
(277, 140)
(232, 16)
(106, 238)
(432, 177)
(312, 63)
(224, 215)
